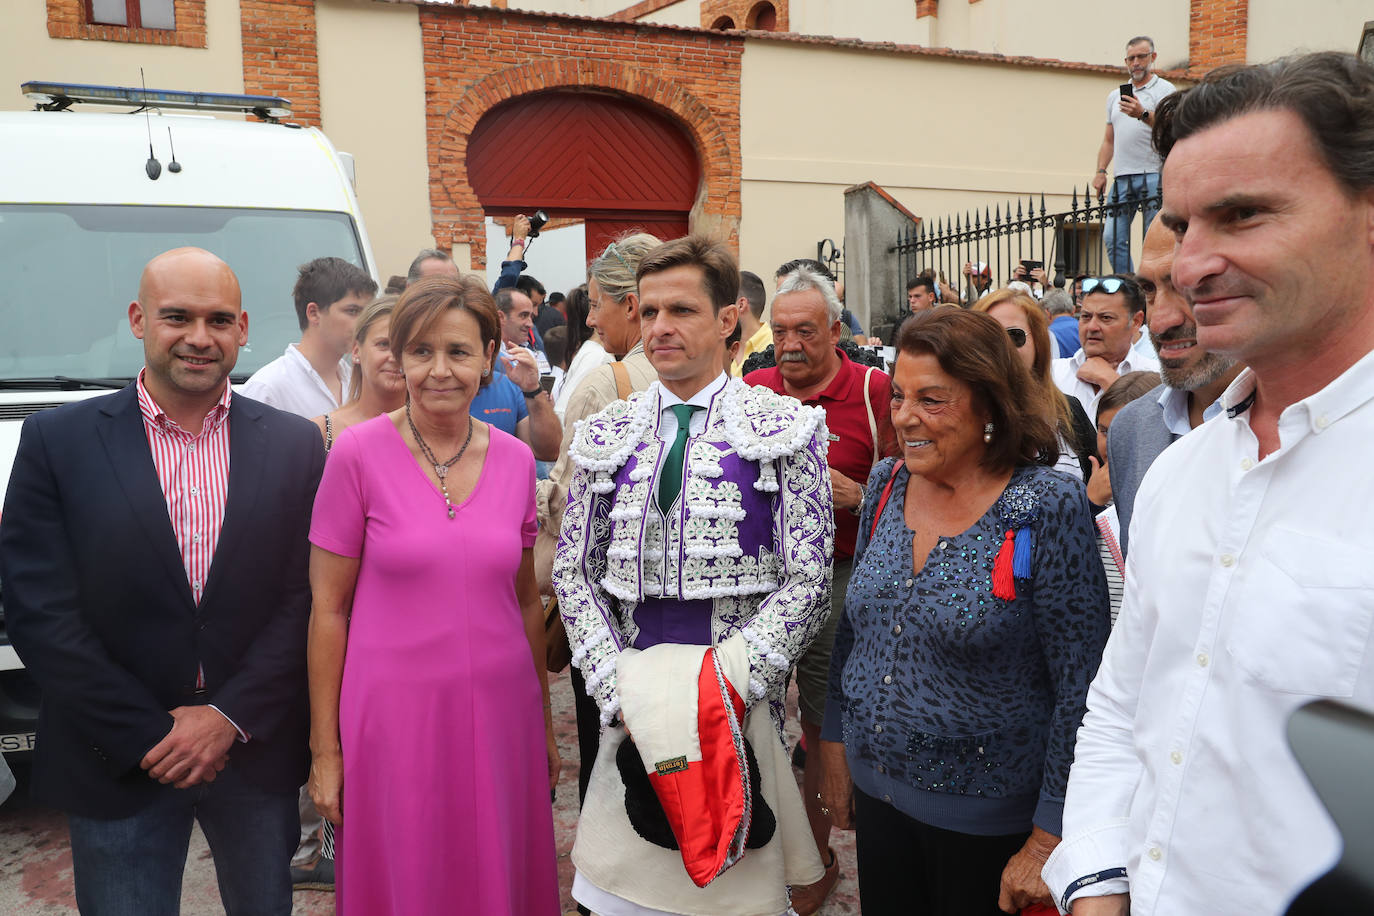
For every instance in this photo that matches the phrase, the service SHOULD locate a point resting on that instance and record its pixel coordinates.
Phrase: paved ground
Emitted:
(36, 863)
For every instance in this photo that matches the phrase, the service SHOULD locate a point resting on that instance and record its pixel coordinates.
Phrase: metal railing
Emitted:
(1068, 243)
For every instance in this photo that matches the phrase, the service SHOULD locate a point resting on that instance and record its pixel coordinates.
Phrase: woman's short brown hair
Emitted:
(975, 349)
(427, 299)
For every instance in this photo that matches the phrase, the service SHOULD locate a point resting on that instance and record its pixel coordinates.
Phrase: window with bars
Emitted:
(135, 14)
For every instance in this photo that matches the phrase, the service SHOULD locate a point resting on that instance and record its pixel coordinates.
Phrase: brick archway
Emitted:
(455, 107)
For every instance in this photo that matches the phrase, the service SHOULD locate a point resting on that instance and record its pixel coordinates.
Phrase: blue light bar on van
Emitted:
(59, 96)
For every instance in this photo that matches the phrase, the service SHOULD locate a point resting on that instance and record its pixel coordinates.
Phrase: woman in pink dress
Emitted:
(430, 726)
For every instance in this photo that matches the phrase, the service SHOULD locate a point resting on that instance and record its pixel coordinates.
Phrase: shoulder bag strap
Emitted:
(882, 500)
(622, 380)
(872, 420)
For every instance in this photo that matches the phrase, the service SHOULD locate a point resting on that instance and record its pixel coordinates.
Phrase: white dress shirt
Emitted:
(1249, 592)
(1065, 373)
(667, 424)
(291, 384)
(1174, 402)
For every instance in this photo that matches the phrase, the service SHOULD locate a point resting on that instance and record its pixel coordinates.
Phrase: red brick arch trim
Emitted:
(458, 215)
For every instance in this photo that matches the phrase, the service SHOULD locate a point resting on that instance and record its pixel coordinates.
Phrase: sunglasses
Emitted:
(1018, 336)
(1106, 285)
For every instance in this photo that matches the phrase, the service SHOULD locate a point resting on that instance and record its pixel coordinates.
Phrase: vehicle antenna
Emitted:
(172, 166)
(152, 166)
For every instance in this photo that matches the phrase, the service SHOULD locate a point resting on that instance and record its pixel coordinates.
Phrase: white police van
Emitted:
(86, 199)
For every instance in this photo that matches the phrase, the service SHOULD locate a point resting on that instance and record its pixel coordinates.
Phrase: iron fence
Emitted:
(1067, 244)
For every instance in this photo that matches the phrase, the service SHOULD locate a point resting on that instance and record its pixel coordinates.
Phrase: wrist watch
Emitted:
(533, 393)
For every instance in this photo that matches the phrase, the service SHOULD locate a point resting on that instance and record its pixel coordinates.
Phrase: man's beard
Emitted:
(1204, 372)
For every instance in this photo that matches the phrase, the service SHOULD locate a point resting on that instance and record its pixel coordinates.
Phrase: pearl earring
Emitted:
(987, 432)
(486, 372)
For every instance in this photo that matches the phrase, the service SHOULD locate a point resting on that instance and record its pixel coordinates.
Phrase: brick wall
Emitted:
(279, 56)
(476, 58)
(67, 19)
(927, 8)
(1216, 34)
(743, 13)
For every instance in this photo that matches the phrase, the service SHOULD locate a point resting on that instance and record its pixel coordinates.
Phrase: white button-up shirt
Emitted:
(1249, 592)
(291, 384)
(1174, 402)
(667, 425)
(1065, 373)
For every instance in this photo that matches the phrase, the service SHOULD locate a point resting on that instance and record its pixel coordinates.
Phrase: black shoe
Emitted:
(318, 877)
(799, 756)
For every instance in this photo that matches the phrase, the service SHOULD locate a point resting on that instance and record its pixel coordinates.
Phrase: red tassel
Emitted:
(1003, 582)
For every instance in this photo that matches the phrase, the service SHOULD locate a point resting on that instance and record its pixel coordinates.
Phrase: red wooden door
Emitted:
(606, 159)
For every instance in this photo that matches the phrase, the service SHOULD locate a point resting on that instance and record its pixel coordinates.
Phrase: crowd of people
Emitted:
(1046, 612)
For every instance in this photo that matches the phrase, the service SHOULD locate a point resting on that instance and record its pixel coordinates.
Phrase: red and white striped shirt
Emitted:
(194, 474)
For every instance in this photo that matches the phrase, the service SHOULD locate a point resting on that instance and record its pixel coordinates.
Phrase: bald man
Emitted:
(154, 554)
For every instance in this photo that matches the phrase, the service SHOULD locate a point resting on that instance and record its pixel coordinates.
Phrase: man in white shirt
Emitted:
(311, 377)
(1113, 312)
(1249, 587)
(1127, 142)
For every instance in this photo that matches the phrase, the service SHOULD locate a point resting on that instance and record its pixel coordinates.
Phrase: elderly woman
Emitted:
(377, 385)
(1029, 331)
(974, 622)
(422, 578)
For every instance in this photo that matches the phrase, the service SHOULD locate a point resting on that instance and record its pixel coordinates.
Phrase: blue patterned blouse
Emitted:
(958, 707)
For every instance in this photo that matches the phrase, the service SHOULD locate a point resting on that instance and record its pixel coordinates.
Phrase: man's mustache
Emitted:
(793, 358)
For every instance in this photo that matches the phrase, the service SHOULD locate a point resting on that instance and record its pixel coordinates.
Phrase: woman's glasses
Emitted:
(1018, 336)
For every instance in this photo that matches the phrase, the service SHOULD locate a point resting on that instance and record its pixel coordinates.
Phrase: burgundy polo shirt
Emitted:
(851, 437)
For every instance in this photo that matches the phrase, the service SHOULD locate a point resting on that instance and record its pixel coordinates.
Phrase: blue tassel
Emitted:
(1025, 550)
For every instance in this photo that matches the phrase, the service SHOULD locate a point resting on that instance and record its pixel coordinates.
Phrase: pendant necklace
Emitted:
(441, 469)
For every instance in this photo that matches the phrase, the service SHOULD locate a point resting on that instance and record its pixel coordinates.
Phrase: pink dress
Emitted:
(446, 799)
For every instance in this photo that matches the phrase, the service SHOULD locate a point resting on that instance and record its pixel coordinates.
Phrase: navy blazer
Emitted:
(99, 608)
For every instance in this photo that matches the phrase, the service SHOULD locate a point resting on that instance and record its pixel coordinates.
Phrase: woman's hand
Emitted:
(326, 785)
(837, 790)
(1021, 881)
(1099, 484)
(555, 760)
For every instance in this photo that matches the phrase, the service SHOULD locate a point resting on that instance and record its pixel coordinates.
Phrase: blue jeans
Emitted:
(133, 866)
(1131, 192)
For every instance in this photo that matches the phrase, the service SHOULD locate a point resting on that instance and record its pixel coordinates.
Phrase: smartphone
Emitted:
(546, 382)
(1031, 265)
(1127, 91)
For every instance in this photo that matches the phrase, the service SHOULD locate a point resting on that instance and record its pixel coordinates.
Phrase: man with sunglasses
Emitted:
(1113, 313)
(1127, 143)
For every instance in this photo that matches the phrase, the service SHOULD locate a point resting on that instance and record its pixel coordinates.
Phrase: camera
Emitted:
(537, 222)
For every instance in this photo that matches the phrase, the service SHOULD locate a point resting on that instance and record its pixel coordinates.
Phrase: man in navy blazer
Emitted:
(1194, 380)
(155, 557)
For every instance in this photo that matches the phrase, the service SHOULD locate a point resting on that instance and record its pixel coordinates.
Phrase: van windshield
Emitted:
(68, 273)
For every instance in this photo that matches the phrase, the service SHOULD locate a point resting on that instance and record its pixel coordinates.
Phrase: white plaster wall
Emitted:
(372, 104)
(1278, 28)
(932, 155)
(27, 53)
(686, 13)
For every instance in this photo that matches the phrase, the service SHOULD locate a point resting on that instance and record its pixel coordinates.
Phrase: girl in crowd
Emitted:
(1123, 391)
(377, 385)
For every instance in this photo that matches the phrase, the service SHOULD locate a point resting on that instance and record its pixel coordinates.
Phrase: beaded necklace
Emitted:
(441, 468)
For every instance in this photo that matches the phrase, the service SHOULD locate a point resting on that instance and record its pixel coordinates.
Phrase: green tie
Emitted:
(670, 483)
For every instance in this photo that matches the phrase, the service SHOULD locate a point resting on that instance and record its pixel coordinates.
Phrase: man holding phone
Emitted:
(1127, 140)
